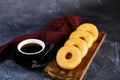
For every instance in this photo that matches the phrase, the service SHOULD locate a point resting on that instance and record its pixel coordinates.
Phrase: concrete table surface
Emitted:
(19, 17)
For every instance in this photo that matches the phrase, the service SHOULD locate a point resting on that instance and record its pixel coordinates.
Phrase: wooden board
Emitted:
(54, 71)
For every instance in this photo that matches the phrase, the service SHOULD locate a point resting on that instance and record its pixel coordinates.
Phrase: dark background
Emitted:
(19, 17)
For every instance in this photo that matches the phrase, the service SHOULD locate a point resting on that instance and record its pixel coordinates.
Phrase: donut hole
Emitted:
(82, 38)
(89, 32)
(68, 55)
(76, 46)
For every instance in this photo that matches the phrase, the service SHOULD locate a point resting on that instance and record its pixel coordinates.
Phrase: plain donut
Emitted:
(86, 36)
(91, 28)
(71, 62)
(79, 43)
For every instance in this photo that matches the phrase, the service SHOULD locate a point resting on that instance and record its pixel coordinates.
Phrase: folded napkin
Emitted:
(53, 33)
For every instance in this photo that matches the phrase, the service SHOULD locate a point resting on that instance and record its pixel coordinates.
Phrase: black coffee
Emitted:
(31, 48)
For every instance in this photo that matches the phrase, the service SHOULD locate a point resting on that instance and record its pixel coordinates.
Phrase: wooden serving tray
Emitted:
(54, 71)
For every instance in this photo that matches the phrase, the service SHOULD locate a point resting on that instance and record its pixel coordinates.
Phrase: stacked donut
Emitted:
(76, 47)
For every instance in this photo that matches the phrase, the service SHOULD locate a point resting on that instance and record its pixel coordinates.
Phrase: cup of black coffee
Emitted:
(33, 53)
(31, 46)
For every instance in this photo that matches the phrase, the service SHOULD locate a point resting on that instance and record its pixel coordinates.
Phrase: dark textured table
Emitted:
(19, 17)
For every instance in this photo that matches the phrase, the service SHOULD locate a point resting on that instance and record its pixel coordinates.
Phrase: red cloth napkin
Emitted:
(54, 32)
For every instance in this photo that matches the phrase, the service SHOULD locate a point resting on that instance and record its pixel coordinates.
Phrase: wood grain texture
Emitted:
(54, 71)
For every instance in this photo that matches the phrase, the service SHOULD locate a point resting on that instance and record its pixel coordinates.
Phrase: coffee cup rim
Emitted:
(29, 41)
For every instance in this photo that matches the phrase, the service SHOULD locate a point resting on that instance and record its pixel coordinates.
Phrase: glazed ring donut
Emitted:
(79, 43)
(91, 28)
(68, 57)
(86, 36)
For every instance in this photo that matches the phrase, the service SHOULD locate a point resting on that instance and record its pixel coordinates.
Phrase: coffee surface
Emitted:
(31, 48)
